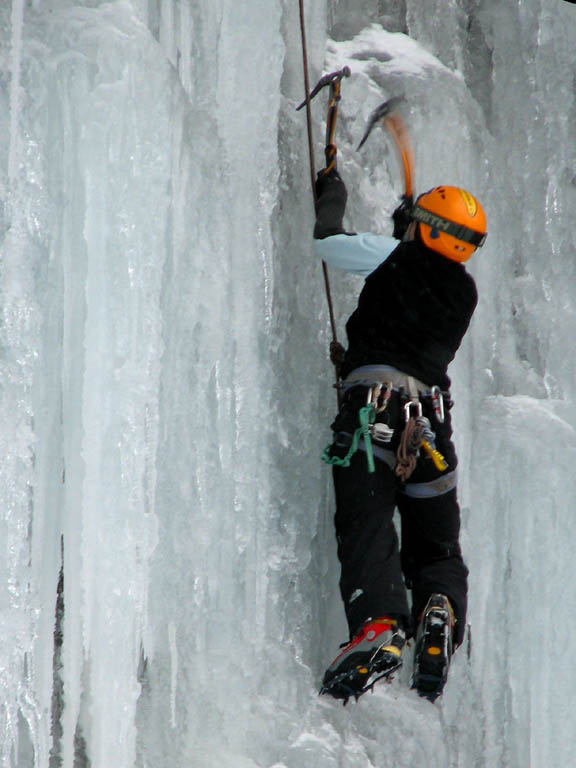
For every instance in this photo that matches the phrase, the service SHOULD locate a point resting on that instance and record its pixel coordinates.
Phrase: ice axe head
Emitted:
(332, 79)
(382, 111)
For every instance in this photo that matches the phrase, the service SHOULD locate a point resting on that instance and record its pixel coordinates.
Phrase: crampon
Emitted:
(374, 654)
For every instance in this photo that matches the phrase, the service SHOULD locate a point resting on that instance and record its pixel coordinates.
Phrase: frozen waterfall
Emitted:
(166, 391)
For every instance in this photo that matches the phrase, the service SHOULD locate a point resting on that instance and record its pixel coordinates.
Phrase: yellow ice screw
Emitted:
(439, 460)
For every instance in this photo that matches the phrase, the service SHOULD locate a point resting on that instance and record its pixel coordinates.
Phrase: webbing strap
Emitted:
(366, 416)
(432, 488)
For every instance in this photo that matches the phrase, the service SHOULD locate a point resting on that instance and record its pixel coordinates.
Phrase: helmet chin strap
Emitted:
(410, 233)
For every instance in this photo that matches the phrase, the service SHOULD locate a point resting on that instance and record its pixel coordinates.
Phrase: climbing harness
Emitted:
(417, 433)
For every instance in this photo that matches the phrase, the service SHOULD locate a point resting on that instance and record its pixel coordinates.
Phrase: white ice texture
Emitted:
(166, 391)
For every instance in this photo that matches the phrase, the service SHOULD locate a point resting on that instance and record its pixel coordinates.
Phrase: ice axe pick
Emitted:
(393, 123)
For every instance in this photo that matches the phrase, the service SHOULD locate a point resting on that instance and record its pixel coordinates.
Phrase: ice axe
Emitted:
(393, 123)
(333, 79)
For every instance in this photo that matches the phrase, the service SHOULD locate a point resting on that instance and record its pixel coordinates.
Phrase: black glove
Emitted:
(326, 179)
(331, 198)
(402, 217)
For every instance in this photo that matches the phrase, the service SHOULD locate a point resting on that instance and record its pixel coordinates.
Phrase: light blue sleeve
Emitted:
(357, 254)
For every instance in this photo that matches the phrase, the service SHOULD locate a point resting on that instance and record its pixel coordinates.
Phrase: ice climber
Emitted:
(392, 443)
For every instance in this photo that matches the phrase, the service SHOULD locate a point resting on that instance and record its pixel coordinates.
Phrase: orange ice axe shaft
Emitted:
(396, 128)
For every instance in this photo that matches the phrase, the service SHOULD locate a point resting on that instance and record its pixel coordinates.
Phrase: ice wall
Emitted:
(166, 391)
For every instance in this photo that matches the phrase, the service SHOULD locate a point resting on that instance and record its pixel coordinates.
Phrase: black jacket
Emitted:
(412, 314)
(414, 308)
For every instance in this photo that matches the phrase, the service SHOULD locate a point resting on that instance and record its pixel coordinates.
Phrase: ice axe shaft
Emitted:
(397, 129)
(393, 123)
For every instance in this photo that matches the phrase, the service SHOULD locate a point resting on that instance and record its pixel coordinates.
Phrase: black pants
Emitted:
(375, 573)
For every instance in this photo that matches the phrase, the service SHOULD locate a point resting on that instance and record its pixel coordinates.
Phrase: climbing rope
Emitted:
(408, 449)
(335, 346)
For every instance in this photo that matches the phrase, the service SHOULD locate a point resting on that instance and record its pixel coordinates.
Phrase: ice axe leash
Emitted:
(393, 123)
(334, 82)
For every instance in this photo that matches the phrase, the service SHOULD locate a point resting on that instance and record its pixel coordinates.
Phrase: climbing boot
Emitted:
(375, 652)
(433, 647)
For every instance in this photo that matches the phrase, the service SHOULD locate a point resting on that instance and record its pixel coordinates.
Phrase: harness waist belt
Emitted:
(433, 488)
(369, 375)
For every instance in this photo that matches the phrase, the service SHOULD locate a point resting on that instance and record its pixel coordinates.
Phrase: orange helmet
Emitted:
(451, 222)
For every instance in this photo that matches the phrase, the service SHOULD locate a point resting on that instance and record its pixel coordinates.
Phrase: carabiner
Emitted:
(378, 396)
(438, 403)
(412, 404)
